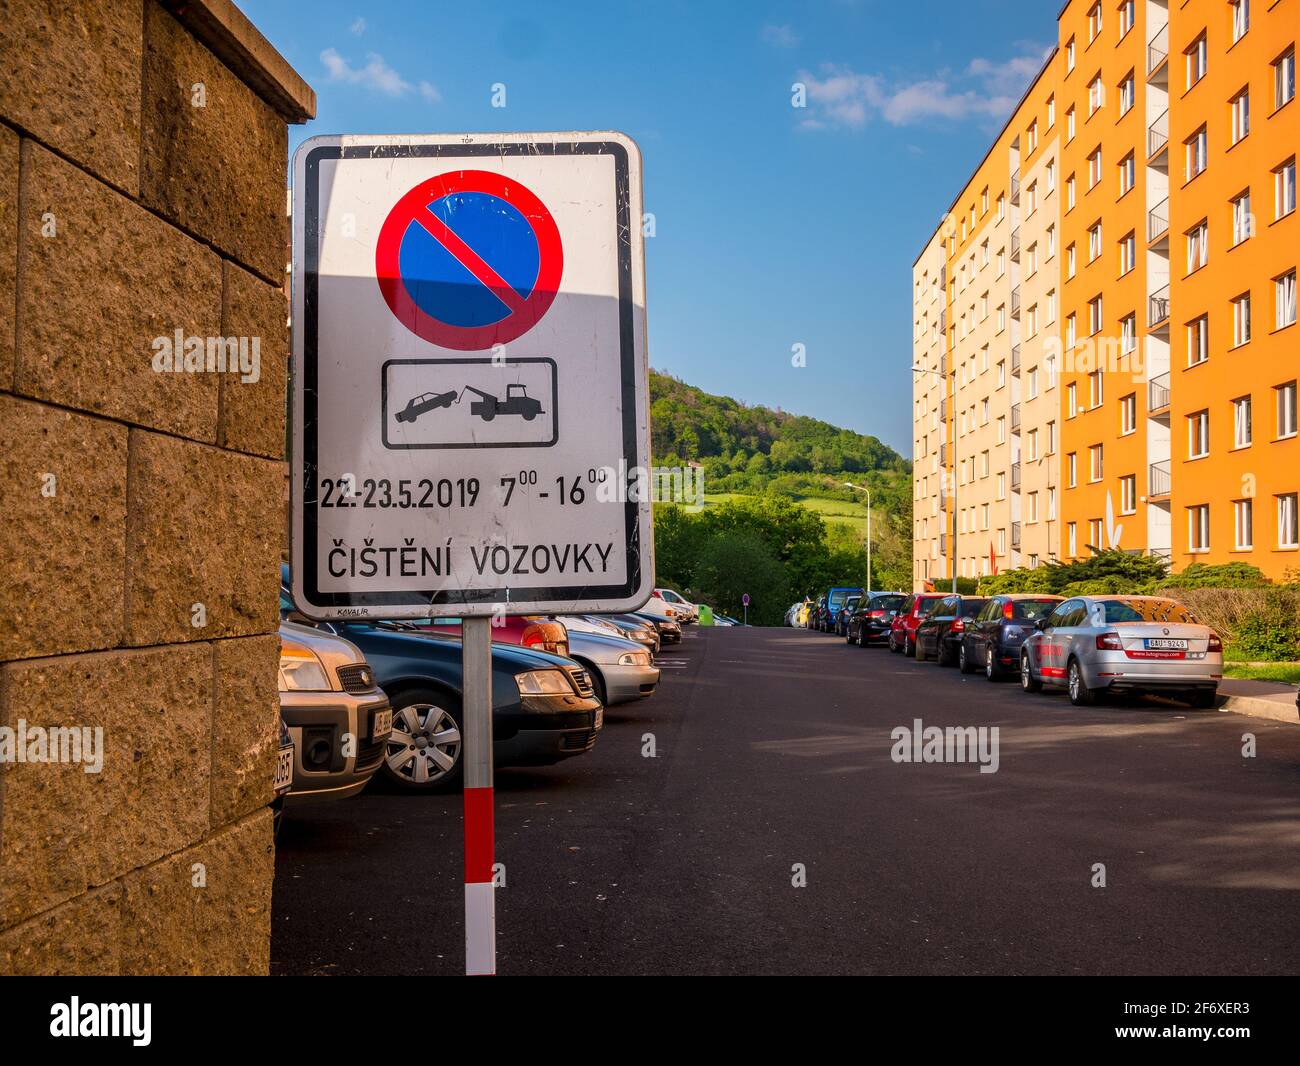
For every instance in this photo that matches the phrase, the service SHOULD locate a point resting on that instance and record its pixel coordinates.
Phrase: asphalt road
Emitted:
(773, 748)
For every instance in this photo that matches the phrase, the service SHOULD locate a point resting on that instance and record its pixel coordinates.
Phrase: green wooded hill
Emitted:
(779, 520)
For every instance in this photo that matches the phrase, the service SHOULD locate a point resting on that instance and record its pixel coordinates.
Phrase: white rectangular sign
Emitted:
(470, 379)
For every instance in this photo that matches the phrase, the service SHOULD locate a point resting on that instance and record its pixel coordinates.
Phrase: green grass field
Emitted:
(1285, 672)
(847, 512)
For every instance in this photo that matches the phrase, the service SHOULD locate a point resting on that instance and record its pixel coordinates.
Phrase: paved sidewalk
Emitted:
(1260, 699)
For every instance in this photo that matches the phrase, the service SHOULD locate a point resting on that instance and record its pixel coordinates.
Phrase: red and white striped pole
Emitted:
(476, 730)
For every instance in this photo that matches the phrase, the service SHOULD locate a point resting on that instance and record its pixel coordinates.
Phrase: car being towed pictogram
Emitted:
(424, 403)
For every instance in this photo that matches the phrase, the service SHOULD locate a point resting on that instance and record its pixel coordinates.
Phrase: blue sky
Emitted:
(775, 226)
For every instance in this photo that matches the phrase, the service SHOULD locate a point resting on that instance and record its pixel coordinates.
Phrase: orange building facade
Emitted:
(1114, 345)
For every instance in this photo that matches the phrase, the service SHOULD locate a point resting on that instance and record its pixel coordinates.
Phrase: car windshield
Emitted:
(852, 602)
(970, 608)
(887, 603)
(1033, 610)
(1153, 610)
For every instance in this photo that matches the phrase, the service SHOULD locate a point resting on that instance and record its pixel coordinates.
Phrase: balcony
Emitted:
(1158, 220)
(1015, 360)
(1015, 477)
(1015, 302)
(1015, 418)
(1158, 480)
(943, 364)
(1158, 393)
(1015, 245)
(943, 276)
(1015, 536)
(943, 321)
(943, 543)
(943, 454)
(1158, 136)
(1158, 310)
(1015, 188)
(1158, 50)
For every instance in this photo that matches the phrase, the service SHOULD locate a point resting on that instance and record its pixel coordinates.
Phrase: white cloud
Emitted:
(376, 75)
(987, 90)
(358, 27)
(780, 36)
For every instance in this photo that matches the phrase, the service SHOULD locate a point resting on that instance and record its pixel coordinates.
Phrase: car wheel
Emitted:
(964, 663)
(862, 637)
(1080, 694)
(597, 684)
(909, 647)
(1028, 682)
(893, 644)
(424, 750)
(991, 670)
(942, 653)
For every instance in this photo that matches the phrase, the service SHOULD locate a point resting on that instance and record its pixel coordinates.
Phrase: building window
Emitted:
(1127, 253)
(1031, 137)
(1198, 246)
(1286, 413)
(1002, 429)
(1240, 18)
(1284, 78)
(1071, 400)
(1128, 334)
(1051, 438)
(1127, 173)
(1242, 433)
(1072, 470)
(1069, 262)
(1094, 22)
(1069, 125)
(1096, 95)
(1288, 535)
(1243, 521)
(1198, 435)
(1051, 503)
(1095, 383)
(1002, 486)
(1198, 340)
(1243, 223)
(1240, 106)
(1241, 319)
(1198, 528)
(1051, 111)
(1071, 188)
(1069, 55)
(1071, 332)
(1128, 494)
(1284, 189)
(1196, 58)
(1095, 464)
(1126, 94)
(1125, 18)
(1094, 315)
(1051, 310)
(1128, 414)
(1195, 153)
(1033, 444)
(1094, 241)
(1094, 533)
(1094, 167)
(1284, 300)
(1072, 540)
(1051, 241)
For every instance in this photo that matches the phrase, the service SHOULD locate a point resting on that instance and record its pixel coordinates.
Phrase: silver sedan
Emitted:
(1140, 644)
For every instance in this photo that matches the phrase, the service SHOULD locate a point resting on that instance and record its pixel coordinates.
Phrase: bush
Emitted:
(1222, 576)
(1271, 634)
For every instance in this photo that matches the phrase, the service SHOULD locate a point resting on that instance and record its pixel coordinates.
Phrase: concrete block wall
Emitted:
(143, 153)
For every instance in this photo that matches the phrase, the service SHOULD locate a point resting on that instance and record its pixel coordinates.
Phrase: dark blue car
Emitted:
(991, 640)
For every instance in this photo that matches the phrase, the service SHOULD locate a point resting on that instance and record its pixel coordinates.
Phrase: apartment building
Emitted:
(1116, 347)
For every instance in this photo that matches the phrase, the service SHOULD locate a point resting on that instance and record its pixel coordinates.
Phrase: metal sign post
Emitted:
(470, 401)
(476, 729)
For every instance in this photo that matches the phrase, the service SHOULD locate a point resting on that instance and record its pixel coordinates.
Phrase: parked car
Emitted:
(830, 604)
(991, 640)
(791, 613)
(940, 632)
(670, 632)
(659, 608)
(840, 622)
(527, 631)
(1138, 644)
(689, 612)
(338, 717)
(726, 620)
(282, 779)
(870, 621)
(902, 627)
(620, 670)
(633, 628)
(544, 707)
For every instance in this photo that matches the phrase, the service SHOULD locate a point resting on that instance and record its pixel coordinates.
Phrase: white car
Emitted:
(687, 612)
(579, 623)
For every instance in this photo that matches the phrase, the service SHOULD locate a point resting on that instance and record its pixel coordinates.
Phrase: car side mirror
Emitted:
(1041, 624)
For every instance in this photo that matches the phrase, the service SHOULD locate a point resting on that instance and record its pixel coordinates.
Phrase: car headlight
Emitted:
(302, 673)
(634, 658)
(543, 683)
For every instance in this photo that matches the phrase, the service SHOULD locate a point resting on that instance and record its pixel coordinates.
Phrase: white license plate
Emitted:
(283, 769)
(1166, 644)
(382, 726)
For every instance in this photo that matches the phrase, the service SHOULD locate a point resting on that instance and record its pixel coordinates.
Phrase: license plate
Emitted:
(600, 717)
(283, 770)
(382, 724)
(1165, 644)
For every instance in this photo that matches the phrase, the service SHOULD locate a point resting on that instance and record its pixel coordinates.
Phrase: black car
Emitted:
(940, 632)
(991, 640)
(544, 708)
(840, 620)
(869, 622)
(670, 632)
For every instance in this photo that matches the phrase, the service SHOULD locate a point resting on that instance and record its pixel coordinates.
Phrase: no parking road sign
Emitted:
(469, 376)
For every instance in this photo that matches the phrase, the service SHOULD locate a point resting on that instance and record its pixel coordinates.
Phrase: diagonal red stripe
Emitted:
(470, 260)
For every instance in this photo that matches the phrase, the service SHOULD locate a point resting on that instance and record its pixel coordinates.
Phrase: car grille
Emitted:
(357, 679)
(581, 681)
(578, 741)
(369, 754)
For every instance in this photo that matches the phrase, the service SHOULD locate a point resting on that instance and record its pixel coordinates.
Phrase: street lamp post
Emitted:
(863, 488)
(952, 555)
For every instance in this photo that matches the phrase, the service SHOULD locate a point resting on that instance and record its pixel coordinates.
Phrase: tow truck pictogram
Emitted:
(487, 407)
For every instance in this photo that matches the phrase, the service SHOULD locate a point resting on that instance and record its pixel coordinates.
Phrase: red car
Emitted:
(902, 628)
(528, 631)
